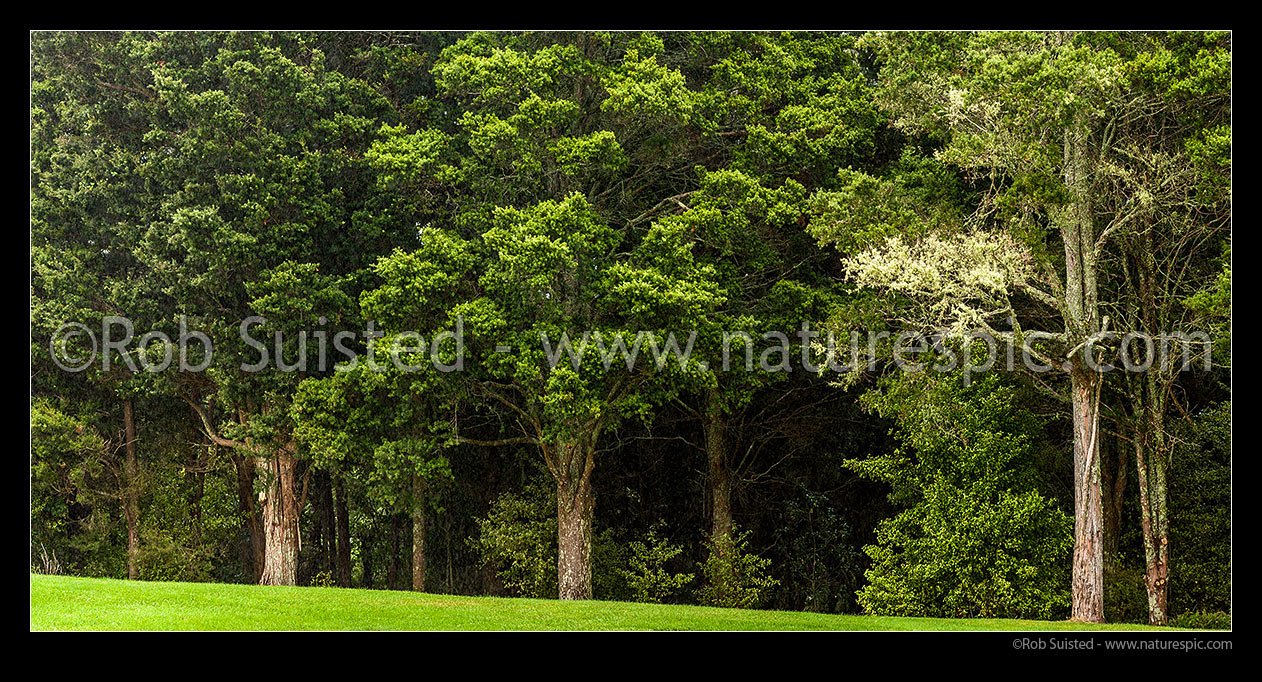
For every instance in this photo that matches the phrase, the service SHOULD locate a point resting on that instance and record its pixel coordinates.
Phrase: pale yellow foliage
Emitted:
(956, 283)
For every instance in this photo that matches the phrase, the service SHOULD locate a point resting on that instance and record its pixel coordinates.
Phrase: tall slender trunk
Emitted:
(343, 533)
(418, 533)
(280, 518)
(1082, 320)
(720, 478)
(328, 529)
(1148, 401)
(1150, 462)
(392, 566)
(365, 553)
(131, 494)
(576, 504)
(488, 571)
(1088, 560)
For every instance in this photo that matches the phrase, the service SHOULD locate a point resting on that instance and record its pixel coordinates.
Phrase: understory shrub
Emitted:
(976, 539)
(735, 577)
(1202, 620)
(647, 575)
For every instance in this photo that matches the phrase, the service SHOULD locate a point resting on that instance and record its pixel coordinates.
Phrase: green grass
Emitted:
(65, 603)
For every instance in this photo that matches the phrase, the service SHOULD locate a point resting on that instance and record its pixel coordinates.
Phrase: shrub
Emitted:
(162, 558)
(1200, 513)
(647, 577)
(322, 579)
(820, 570)
(734, 576)
(1125, 599)
(519, 538)
(1202, 620)
(976, 539)
(46, 562)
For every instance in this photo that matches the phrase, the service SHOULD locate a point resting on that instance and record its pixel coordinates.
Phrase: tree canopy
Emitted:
(626, 315)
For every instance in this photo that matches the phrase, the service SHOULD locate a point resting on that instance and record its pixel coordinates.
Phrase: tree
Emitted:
(253, 150)
(1038, 118)
(382, 427)
(558, 276)
(550, 131)
(977, 539)
(1167, 181)
(88, 205)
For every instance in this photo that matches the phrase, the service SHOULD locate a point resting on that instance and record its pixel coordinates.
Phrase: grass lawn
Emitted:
(65, 603)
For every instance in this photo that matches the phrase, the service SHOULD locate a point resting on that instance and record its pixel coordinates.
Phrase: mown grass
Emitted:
(66, 603)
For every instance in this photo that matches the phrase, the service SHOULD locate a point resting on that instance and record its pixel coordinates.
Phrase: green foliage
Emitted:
(518, 537)
(533, 183)
(976, 539)
(1125, 599)
(1200, 512)
(921, 194)
(733, 576)
(74, 492)
(1212, 304)
(821, 568)
(647, 575)
(609, 566)
(162, 557)
(1202, 620)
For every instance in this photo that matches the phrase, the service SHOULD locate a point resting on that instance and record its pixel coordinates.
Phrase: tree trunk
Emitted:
(720, 472)
(1148, 400)
(252, 548)
(575, 506)
(1150, 462)
(1088, 561)
(329, 522)
(131, 494)
(365, 553)
(280, 518)
(343, 533)
(1082, 320)
(418, 533)
(392, 566)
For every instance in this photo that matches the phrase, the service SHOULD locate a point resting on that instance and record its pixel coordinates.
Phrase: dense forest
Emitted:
(300, 303)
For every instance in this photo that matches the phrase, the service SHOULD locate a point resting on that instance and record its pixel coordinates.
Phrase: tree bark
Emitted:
(366, 557)
(418, 533)
(343, 533)
(280, 518)
(720, 472)
(322, 527)
(330, 525)
(1088, 560)
(1151, 463)
(1148, 400)
(1082, 320)
(131, 494)
(575, 506)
